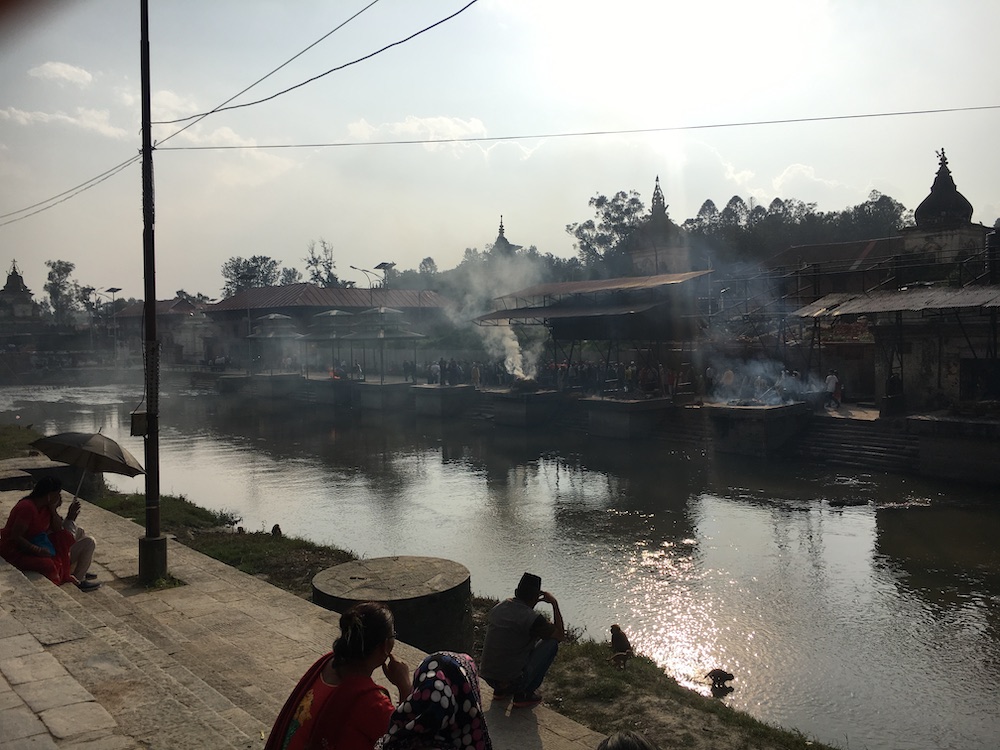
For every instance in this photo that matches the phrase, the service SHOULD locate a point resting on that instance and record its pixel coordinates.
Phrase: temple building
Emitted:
(659, 245)
(16, 301)
(944, 231)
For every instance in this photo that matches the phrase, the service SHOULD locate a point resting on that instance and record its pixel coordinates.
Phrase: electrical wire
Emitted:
(321, 75)
(71, 193)
(592, 133)
(260, 80)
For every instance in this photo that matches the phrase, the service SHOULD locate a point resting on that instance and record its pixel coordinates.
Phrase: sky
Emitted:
(557, 84)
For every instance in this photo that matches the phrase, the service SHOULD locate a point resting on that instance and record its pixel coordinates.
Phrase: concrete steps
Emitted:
(134, 667)
(846, 442)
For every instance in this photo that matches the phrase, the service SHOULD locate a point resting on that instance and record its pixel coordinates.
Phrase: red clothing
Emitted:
(349, 716)
(38, 520)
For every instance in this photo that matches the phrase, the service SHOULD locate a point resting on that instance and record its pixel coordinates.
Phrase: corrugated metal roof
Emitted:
(569, 311)
(310, 295)
(845, 256)
(176, 306)
(627, 283)
(917, 299)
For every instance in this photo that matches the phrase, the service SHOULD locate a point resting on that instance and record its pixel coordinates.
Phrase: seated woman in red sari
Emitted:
(336, 703)
(34, 539)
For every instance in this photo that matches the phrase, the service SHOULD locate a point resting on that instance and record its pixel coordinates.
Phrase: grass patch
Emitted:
(15, 440)
(177, 513)
(287, 562)
(588, 689)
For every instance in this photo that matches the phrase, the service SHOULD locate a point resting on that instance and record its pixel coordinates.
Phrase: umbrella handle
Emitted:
(80, 484)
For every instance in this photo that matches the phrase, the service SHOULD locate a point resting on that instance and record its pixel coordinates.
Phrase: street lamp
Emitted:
(114, 320)
(368, 275)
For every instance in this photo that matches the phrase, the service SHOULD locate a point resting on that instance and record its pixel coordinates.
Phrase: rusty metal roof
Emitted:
(915, 299)
(844, 256)
(310, 295)
(560, 312)
(626, 283)
(176, 306)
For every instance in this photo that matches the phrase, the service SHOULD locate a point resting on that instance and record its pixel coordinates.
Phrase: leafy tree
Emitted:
(240, 273)
(63, 292)
(735, 214)
(320, 266)
(197, 297)
(428, 267)
(603, 242)
(290, 276)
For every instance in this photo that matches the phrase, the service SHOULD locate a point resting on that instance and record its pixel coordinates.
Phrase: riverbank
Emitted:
(581, 685)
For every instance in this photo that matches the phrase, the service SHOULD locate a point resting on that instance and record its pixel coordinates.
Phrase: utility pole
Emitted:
(153, 546)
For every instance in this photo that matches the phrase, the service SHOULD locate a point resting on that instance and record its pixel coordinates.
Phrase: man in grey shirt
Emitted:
(521, 643)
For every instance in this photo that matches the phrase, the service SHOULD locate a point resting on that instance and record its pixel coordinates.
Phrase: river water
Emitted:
(875, 626)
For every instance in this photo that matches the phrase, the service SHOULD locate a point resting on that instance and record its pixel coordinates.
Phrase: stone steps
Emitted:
(135, 668)
(853, 443)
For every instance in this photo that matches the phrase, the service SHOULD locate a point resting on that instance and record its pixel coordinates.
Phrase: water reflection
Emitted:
(874, 626)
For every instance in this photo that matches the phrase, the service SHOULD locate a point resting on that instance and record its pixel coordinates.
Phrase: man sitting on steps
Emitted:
(521, 644)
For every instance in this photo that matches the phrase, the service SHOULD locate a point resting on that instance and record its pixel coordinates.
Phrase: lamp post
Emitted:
(368, 275)
(114, 320)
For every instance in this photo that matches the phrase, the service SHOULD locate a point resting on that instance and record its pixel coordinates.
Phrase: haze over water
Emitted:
(875, 626)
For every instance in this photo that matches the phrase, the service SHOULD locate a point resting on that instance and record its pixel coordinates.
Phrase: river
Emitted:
(874, 626)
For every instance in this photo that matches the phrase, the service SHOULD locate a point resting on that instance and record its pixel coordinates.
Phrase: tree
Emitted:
(197, 297)
(320, 265)
(290, 276)
(63, 293)
(735, 214)
(428, 267)
(240, 273)
(603, 243)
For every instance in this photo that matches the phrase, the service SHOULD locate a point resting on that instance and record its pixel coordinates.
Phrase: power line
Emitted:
(321, 75)
(199, 118)
(66, 195)
(591, 133)
(72, 192)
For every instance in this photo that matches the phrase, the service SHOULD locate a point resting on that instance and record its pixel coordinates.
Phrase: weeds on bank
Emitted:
(15, 440)
(592, 691)
(177, 513)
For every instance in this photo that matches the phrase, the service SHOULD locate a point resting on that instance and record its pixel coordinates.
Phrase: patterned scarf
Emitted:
(443, 712)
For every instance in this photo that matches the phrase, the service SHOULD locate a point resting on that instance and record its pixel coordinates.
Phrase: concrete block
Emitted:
(17, 723)
(41, 695)
(40, 666)
(16, 646)
(78, 718)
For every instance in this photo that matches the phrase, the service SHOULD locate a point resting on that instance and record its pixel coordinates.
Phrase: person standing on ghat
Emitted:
(521, 644)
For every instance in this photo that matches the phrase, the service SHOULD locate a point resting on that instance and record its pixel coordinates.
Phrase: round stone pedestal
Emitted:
(431, 598)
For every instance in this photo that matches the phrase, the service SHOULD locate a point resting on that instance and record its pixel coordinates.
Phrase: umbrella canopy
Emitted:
(89, 451)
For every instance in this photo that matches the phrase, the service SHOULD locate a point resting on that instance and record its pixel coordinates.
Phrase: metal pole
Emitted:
(153, 546)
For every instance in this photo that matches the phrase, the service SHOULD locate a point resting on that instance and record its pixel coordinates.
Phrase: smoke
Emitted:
(763, 380)
(485, 277)
(502, 343)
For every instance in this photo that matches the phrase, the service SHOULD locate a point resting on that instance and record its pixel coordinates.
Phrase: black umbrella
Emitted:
(89, 451)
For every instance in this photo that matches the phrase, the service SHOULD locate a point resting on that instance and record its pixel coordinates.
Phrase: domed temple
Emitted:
(944, 230)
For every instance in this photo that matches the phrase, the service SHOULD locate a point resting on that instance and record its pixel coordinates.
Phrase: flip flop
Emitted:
(88, 586)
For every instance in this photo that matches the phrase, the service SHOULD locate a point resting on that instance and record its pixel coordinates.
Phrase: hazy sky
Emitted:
(527, 69)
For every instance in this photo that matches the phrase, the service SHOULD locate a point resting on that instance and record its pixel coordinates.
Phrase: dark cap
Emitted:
(529, 587)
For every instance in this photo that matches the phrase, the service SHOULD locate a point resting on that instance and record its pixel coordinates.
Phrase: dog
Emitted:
(719, 678)
(621, 649)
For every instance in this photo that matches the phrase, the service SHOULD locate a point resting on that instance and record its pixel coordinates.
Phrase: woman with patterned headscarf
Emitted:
(443, 712)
